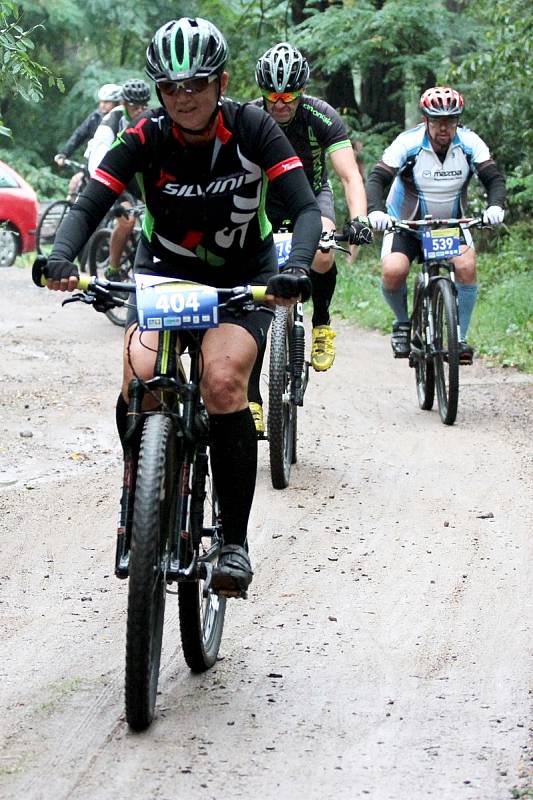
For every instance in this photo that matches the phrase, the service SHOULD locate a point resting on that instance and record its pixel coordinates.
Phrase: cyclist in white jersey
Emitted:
(426, 170)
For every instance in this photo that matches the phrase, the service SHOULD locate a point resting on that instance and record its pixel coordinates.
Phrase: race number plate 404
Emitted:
(283, 242)
(166, 304)
(441, 243)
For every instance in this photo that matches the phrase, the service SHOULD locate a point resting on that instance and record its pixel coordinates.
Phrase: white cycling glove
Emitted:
(493, 215)
(379, 220)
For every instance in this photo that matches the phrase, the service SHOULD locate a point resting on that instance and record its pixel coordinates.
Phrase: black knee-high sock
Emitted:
(254, 384)
(234, 467)
(323, 288)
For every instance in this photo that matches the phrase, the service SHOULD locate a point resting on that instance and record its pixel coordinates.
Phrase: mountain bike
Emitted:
(288, 370)
(99, 248)
(435, 333)
(169, 529)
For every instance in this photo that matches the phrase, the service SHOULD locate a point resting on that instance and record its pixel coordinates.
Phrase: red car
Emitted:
(19, 211)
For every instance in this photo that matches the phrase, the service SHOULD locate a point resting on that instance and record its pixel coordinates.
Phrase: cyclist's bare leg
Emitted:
(74, 185)
(228, 352)
(395, 269)
(465, 265)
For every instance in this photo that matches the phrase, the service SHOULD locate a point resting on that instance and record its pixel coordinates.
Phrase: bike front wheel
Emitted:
(153, 516)
(49, 225)
(201, 612)
(420, 357)
(98, 261)
(446, 350)
(282, 412)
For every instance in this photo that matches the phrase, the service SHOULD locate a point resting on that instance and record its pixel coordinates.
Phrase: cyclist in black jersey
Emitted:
(134, 99)
(315, 130)
(203, 162)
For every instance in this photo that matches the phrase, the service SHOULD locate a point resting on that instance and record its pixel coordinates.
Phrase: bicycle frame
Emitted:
(180, 399)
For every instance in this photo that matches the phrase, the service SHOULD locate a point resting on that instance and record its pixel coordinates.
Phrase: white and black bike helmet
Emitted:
(282, 69)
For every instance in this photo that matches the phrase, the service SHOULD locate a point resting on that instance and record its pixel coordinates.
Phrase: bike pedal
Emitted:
(232, 593)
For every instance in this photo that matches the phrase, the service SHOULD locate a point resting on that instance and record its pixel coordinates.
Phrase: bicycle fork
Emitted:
(299, 367)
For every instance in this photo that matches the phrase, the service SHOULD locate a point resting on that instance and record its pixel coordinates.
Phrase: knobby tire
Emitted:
(423, 362)
(49, 225)
(153, 517)
(282, 413)
(202, 618)
(446, 350)
(98, 261)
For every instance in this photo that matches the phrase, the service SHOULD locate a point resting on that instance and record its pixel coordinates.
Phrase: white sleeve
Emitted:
(475, 145)
(100, 144)
(396, 153)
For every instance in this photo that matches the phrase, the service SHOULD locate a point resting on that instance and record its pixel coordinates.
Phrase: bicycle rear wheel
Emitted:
(446, 350)
(49, 225)
(153, 517)
(419, 357)
(202, 613)
(98, 261)
(282, 413)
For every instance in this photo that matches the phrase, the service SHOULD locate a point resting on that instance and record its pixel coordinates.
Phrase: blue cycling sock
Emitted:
(397, 301)
(466, 295)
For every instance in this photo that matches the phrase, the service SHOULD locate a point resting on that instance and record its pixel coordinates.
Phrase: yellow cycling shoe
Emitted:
(322, 348)
(259, 422)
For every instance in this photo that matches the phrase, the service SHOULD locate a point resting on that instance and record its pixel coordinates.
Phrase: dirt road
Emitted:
(383, 650)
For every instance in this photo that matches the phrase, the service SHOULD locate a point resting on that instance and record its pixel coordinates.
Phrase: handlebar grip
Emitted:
(38, 271)
(258, 293)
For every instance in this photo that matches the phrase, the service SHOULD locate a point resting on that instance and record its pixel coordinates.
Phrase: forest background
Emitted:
(370, 59)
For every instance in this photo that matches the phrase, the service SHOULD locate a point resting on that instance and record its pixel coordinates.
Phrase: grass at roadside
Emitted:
(502, 324)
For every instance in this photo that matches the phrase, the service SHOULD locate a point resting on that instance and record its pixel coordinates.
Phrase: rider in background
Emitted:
(204, 161)
(429, 168)
(315, 130)
(108, 97)
(134, 98)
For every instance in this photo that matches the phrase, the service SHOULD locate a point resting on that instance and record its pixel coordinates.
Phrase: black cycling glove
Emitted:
(57, 269)
(358, 231)
(291, 282)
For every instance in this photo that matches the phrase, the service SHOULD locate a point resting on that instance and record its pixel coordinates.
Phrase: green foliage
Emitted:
(496, 79)
(21, 73)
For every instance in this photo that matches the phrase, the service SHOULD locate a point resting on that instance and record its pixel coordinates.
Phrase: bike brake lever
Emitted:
(80, 297)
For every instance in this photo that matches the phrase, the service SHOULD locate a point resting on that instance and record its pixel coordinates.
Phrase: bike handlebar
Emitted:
(414, 224)
(93, 286)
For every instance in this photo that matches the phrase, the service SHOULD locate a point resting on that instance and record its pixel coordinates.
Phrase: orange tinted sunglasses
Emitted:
(285, 97)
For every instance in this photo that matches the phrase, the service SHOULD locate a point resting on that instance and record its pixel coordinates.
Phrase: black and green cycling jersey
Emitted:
(205, 206)
(316, 130)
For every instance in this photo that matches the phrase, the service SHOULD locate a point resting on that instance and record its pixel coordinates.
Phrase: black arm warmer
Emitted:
(300, 205)
(82, 220)
(494, 182)
(378, 184)
(83, 133)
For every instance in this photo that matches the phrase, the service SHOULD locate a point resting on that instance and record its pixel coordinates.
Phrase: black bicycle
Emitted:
(435, 334)
(169, 529)
(99, 248)
(288, 371)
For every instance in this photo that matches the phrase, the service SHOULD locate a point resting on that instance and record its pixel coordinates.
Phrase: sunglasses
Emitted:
(443, 123)
(189, 86)
(285, 97)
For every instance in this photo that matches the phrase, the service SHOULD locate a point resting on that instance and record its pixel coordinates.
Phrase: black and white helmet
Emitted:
(135, 90)
(282, 69)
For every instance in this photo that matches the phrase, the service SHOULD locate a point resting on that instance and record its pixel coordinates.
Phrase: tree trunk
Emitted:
(377, 100)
